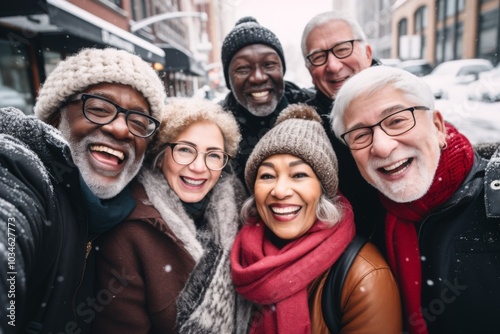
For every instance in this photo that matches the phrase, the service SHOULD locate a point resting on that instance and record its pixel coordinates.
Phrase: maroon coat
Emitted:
(154, 265)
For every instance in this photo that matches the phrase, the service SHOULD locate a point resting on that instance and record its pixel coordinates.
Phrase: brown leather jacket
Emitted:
(370, 297)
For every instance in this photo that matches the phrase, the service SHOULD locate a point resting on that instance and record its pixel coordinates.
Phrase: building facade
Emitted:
(442, 30)
(36, 34)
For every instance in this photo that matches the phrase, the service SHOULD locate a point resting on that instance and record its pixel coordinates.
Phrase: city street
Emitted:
(479, 121)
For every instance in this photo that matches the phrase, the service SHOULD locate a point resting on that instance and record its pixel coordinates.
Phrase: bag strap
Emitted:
(332, 290)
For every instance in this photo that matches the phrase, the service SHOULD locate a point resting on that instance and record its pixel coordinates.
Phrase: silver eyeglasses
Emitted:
(185, 154)
(100, 110)
(340, 50)
(393, 125)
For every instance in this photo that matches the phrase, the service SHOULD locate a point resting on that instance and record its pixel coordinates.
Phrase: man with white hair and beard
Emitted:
(60, 190)
(442, 227)
(254, 65)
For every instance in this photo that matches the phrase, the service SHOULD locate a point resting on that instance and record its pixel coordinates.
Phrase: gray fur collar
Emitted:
(221, 213)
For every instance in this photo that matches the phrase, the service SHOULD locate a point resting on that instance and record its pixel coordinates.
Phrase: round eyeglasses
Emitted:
(185, 154)
(393, 125)
(340, 50)
(99, 110)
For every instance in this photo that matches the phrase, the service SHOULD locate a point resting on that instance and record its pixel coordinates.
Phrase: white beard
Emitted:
(410, 188)
(96, 180)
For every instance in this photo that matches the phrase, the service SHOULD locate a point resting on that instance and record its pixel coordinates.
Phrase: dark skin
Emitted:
(256, 77)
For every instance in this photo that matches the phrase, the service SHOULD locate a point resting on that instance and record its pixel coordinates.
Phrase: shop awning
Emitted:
(86, 25)
(62, 17)
(177, 60)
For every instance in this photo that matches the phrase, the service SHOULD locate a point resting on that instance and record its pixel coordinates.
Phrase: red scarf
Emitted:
(277, 279)
(401, 236)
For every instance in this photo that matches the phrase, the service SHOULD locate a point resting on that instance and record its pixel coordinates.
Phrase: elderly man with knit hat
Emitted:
(60, 190)
(254, 65)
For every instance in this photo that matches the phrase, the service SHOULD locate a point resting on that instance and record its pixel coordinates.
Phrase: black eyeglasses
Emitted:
(99, 110)
(340, 50)
(393, 125)
(185, 154)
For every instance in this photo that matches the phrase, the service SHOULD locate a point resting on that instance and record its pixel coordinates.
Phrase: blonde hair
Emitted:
(180, 113)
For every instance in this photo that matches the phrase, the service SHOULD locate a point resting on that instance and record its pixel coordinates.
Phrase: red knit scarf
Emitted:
(277, 279)
(401, 236)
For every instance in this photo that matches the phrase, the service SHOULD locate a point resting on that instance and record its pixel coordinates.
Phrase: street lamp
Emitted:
(167, 16)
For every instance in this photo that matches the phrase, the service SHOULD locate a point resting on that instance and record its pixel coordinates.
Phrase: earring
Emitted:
(445, 145)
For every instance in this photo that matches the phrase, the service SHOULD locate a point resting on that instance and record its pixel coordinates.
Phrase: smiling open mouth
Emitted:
(285, 211)
(396, 168)
(107, 154)
(339, 80)
(260, 94)
(192, 182)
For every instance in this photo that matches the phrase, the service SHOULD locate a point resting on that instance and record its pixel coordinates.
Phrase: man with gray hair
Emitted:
(335, 48)
(442, 199)
(60, 190)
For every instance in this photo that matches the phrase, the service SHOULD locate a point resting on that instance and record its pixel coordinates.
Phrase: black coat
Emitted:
(369, 215)
(460, 249)
(42, 208)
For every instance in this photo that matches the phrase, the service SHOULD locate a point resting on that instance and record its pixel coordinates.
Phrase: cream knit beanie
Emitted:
(93, 66)
(180, 113)
(298, 131)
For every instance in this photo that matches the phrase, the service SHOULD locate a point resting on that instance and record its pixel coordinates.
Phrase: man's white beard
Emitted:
(408, 189)
(263, 111)
(93, 179)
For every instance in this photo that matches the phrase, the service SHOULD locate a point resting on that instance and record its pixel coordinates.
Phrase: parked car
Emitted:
(487, 88)
(455, 72)
(12, 98)
(390, 61)
(419, 67)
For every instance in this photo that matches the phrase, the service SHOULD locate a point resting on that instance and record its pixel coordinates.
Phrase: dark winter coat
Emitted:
(460, 251)
(177, 272)
(42, 222)
(253, 127)
(369, 214)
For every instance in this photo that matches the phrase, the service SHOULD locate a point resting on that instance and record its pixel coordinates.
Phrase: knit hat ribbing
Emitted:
(247, 31)
(180, 113)
(298, 131)
(94, 66)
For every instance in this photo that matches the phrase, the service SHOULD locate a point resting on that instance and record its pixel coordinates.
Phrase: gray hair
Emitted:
(371, 81)
(326, 17)
(327, 211)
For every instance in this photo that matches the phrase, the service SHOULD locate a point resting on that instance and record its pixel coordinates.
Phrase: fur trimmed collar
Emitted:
(221, 214)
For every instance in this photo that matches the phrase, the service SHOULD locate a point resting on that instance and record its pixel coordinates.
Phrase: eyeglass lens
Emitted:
(186, 154)
(103, 112)
(393, 125)
(341, 51)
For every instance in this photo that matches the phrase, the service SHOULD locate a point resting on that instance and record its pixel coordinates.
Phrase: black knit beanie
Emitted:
(247, 31)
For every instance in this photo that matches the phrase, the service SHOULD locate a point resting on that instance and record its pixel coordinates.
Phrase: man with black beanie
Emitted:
(254, 66)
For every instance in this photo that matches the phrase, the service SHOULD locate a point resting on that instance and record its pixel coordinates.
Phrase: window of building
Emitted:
(139, 10)
(403, 27)
(420, 25)
(451, 8)
(440, 10)
(402, 31)
(15, 79)
(449, 44)
(420, 19)
(439, 46)
(459, 45)
(461, 5)
(488, 45)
